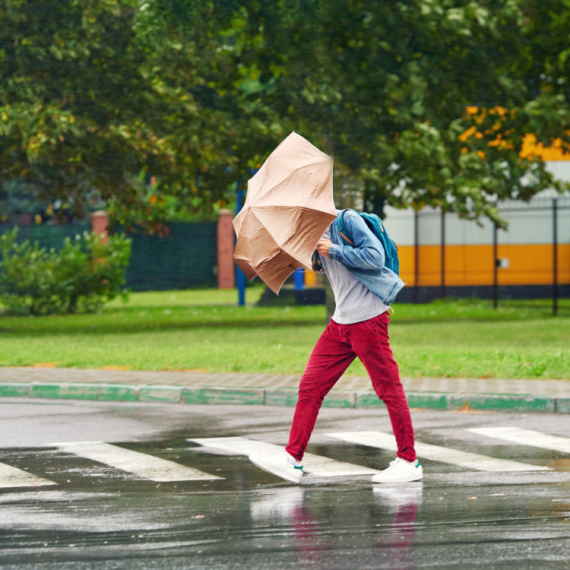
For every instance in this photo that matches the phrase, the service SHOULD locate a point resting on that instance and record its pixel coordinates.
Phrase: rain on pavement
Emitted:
(106, 485)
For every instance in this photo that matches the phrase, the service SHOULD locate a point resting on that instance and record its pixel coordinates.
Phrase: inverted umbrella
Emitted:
(288, 207)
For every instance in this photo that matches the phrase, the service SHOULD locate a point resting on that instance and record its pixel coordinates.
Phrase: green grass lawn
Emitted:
(205, 330)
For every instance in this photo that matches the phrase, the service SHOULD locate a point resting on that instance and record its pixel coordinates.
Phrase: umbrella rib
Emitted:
(287, 207)
(252, 213)
(304, 208)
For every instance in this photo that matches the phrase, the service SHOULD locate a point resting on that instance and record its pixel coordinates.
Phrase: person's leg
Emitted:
(330, 358)
(369, 340)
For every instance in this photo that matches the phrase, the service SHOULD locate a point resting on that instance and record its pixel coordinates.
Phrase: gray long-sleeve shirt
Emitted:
(354, 301)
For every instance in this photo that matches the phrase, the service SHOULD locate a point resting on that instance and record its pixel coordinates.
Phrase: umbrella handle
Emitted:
(316, 262)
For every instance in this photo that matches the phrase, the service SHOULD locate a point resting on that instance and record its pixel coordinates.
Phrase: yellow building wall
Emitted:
(473, 264)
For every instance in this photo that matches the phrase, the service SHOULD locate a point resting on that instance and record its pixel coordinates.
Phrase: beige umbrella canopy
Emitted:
(288, 207)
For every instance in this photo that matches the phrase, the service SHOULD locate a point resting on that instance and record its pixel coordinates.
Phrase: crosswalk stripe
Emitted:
(14, 477)
(436, 453)
(526, 437)
(140, 464)
(315, 464)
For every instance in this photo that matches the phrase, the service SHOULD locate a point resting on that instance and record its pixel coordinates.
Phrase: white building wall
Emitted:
(525, 225)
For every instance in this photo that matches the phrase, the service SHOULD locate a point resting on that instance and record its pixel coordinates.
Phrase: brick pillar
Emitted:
(99, 223)
(226, 241)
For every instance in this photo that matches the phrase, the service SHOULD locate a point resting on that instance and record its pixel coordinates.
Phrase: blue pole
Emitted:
(299, 279)
(240, 276)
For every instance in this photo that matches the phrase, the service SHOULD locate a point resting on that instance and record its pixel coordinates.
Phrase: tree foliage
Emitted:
(88, 104)
(424, 102)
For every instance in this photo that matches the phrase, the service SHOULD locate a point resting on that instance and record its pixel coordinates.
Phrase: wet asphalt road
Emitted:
(93, 515)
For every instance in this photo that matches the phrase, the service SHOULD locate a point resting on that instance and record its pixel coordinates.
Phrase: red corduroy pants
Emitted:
(338, 346)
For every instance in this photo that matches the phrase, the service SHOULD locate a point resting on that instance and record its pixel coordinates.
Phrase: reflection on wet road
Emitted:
(190, 499)
(340, 527)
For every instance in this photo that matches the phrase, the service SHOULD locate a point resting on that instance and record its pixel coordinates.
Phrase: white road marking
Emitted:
(436, 453)
(526, 437)
(139, 464)
(315, 464)
(13, 477)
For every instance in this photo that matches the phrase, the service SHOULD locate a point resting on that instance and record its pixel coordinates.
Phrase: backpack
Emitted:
(376, 226)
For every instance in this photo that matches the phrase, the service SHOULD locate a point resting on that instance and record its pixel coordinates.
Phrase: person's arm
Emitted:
(367, 252)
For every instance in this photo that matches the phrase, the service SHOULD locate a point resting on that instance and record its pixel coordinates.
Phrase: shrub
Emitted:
(84, 274)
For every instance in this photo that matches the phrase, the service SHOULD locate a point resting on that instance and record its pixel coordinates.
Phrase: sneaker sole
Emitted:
(275, 472)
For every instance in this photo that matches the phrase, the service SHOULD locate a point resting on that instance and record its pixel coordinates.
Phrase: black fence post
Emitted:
(442, 254)
(555, 256)
(416, 256)
(495, 266)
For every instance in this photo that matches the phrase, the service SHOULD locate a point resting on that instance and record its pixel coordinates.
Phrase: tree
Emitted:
(422, 102)
(426, 101)
(206, 51)
(87, 104)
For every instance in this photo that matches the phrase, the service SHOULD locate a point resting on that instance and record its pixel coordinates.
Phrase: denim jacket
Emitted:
(366, 259)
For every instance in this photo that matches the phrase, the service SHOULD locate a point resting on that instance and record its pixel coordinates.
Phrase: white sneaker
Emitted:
(278, 464)
(400, 471)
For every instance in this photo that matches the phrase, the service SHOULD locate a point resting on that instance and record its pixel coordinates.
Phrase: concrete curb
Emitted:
(279, 397)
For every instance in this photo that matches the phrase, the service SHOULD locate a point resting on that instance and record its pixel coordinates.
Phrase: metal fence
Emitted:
(443, 256)
(48, 236)
(186, 258)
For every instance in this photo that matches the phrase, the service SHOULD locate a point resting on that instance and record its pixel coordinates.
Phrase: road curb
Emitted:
(503, 403)
(164, 394)
(279, 397)
(230, 396)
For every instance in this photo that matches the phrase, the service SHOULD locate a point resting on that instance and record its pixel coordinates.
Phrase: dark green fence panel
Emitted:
(186, 258)
(48, 236)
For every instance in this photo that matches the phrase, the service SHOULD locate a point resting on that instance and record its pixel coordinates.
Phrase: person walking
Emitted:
(363, 289)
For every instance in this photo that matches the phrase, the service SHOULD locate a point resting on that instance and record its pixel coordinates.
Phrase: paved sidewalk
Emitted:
(278, 389)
